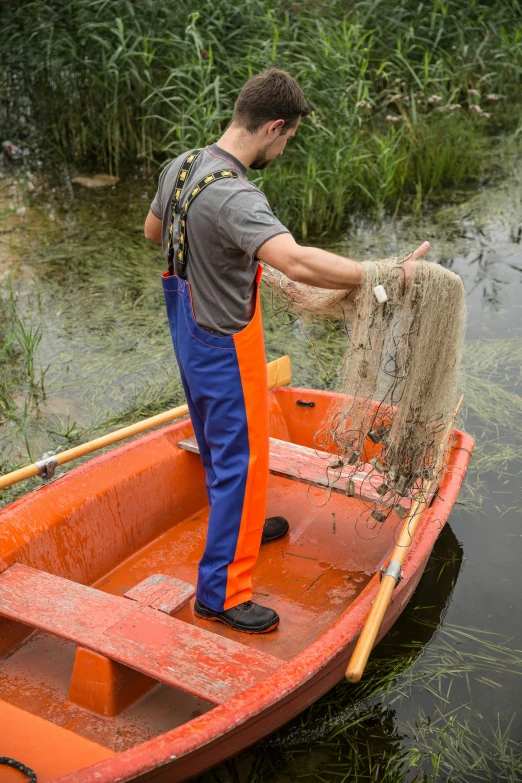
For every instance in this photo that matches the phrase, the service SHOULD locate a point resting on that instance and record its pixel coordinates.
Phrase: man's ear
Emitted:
(276, 128)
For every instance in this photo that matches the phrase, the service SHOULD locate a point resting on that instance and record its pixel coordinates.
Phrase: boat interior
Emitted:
(131, 523)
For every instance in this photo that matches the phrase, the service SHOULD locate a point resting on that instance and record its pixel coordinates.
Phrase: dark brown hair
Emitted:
(271, 95)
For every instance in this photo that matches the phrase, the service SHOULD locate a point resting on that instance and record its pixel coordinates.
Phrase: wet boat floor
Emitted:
(309, 578)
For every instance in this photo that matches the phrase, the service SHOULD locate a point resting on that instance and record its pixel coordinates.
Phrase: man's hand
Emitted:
(421, 251)
(407, 265)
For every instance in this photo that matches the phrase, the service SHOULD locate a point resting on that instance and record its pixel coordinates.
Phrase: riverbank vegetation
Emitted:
(406, 97)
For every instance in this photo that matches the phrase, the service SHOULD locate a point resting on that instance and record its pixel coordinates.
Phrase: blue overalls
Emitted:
(225, 383)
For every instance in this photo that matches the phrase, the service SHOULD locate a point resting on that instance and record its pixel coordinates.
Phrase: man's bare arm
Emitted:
(310, 265)
(152, 228)
(316, 267)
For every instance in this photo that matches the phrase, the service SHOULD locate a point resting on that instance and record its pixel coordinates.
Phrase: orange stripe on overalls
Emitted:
(250, 349)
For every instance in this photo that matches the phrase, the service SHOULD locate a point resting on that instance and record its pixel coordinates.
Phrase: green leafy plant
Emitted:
(392, 90)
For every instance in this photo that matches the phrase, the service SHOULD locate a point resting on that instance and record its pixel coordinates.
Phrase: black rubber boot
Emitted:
(247, 617)
(274, 529)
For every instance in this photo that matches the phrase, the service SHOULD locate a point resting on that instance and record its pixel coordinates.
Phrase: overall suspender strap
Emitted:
(183, 173)
(183, 243)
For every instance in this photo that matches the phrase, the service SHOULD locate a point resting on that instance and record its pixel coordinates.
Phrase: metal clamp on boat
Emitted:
(392, 569)
(46, 466)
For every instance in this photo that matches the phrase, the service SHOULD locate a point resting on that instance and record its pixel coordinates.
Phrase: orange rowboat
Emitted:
(106, 676)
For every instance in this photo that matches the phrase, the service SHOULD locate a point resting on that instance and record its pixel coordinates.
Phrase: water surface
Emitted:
(449, 672)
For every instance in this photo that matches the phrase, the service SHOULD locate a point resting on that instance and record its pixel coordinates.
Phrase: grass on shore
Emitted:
(120, 82)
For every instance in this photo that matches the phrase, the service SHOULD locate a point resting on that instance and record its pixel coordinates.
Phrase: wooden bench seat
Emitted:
(311, 466)
(106, 687)
(164, 593)
(146, 639)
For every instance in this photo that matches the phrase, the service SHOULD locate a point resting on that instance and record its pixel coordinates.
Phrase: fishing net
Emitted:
(398, 380)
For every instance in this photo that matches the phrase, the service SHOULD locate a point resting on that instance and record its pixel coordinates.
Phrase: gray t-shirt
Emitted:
(226, 225)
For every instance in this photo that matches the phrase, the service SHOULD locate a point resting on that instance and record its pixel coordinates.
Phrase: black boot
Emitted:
(247, 617)
(274, 529)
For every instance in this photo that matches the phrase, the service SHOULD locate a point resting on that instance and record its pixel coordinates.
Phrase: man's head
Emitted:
(268, 111)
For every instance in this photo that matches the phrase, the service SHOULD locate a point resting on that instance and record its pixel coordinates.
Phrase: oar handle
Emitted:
(375, 617)
(279, 373)
(370, 631)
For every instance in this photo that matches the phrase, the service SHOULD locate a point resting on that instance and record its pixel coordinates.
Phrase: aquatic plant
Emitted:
(20, 338)
(457, 751)
(120, 82)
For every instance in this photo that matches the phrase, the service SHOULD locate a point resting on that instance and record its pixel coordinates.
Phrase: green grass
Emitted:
(458, 752)
(22, 377)
(19, 341)
(112, 83)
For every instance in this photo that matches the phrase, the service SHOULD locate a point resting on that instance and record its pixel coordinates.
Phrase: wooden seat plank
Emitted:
(186, 657)
(161, 592)
(311, 466)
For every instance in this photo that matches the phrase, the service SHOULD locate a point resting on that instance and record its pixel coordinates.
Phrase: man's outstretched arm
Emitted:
(316, 267)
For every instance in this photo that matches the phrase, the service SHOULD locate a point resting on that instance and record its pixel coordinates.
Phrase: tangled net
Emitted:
(398, 378)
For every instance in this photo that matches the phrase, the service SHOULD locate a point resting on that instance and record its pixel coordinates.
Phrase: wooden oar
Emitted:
(279, 374)
(390, 578)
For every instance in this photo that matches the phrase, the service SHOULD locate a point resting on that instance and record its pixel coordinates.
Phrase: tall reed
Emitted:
(115, 82)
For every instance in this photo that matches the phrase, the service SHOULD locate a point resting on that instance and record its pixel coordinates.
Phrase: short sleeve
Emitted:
(157, 206)
(246, 222)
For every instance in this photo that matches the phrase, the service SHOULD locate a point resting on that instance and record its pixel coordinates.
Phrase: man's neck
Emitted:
(236, 142)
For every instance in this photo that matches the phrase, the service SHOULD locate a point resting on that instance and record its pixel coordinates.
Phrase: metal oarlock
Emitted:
(46, 467)
(393, 569)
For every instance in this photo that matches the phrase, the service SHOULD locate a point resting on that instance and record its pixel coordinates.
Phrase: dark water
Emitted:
(446, 682)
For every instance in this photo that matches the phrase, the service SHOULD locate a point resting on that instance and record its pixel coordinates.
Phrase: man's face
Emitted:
(274, 142)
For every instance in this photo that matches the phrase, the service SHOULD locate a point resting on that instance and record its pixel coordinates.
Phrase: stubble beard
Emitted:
(260, 161)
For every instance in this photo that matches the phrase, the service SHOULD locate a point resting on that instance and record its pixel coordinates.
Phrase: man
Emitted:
(215, 227)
